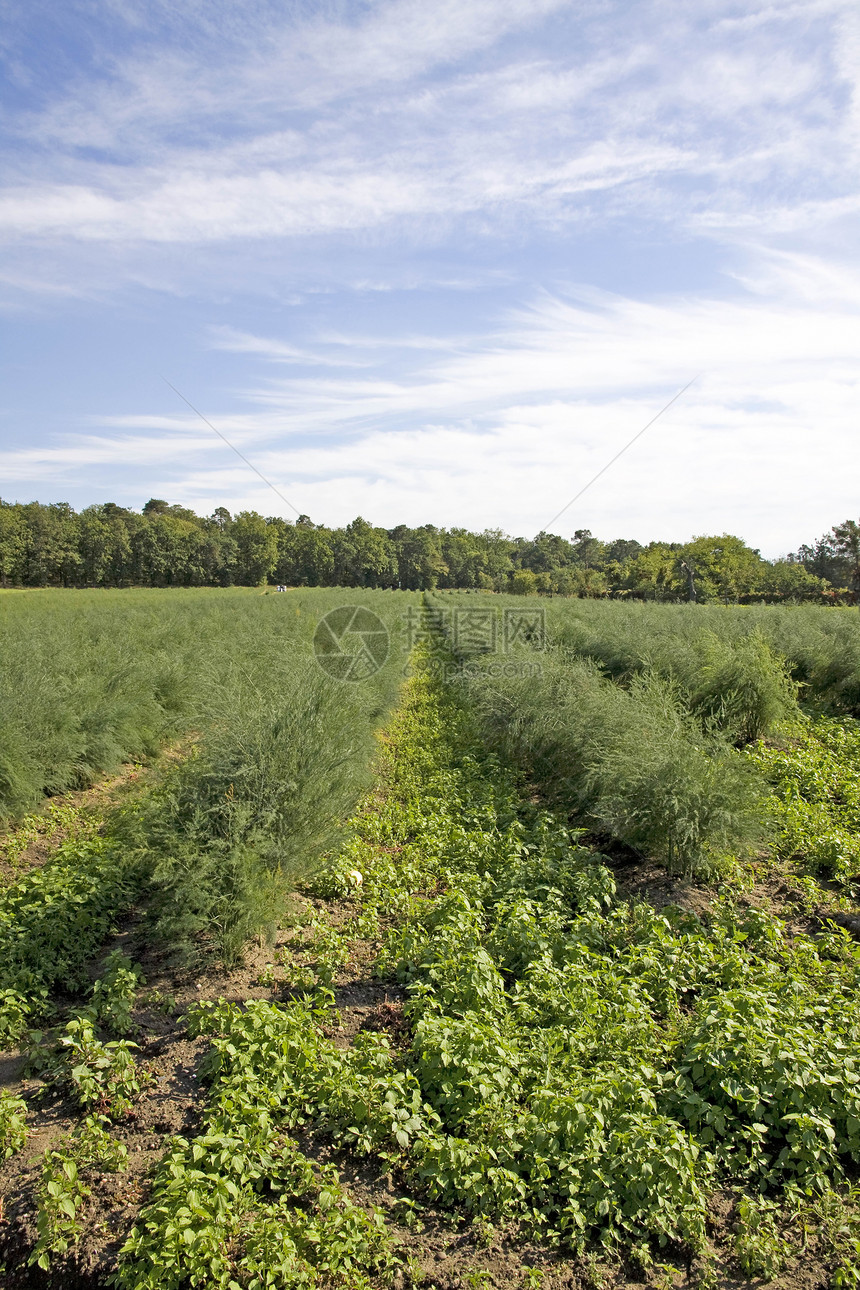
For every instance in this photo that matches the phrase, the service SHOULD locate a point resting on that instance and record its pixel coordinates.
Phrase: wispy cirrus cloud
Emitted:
(330, 125)
(374, 243)
(507, 425)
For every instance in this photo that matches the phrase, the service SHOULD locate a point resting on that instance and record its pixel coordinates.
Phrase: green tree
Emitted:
(420, 563)
(169, 552)
(786, 580)
(305, 556)
(654, 573)
(13, 543)
(723, 568)
(588, 551)
(846, 543)
(523, 583)
(51, 557)
(496, 550)
(364, 556)
(105, 547)
(256, 548)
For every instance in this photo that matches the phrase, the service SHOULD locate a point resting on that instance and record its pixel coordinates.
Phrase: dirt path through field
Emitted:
(32, 841)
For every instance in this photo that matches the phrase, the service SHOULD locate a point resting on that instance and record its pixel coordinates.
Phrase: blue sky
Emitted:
(436, 262)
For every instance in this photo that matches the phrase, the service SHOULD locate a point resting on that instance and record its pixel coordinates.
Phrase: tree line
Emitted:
(165, 545)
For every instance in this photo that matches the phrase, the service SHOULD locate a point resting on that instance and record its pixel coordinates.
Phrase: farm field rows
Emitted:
(470, 1052)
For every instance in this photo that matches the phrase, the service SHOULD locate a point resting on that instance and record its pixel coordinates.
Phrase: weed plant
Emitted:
(101, 1075)
(61, 821)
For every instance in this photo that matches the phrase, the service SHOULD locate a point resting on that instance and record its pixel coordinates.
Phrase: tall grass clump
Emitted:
(285, 751)
(632, 763)
(786, 652)
(737, 681)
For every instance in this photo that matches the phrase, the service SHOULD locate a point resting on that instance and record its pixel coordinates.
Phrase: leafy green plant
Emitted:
(13, 1123)
(114, 993)
(267, 976)
(533, 1278)
(63, 1190)
(62, 1195)
(101, 1075)
(816, 802)
(159, 1001)
(232, 1206)
(52, 922)
(760, 1249)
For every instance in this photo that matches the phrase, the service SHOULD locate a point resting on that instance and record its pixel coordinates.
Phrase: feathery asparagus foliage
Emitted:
(632, 763)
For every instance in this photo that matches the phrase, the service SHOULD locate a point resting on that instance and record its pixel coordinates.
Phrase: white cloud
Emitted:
(329, 126)
(326, 148)
(506, 429)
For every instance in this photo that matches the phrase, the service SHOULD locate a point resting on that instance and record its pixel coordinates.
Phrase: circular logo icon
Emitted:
(351, 643)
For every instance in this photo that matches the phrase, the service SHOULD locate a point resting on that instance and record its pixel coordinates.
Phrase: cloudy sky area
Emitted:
(436, 262)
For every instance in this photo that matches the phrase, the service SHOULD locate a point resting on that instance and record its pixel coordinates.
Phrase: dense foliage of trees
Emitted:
(165, 546)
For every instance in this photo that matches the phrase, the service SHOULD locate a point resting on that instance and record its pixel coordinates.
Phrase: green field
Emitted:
(516, 952)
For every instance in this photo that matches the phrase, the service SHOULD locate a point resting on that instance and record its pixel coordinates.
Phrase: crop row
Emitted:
(578, 1064)
(91, 679)
(716, 653)
(282, 755)
(682, 734)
